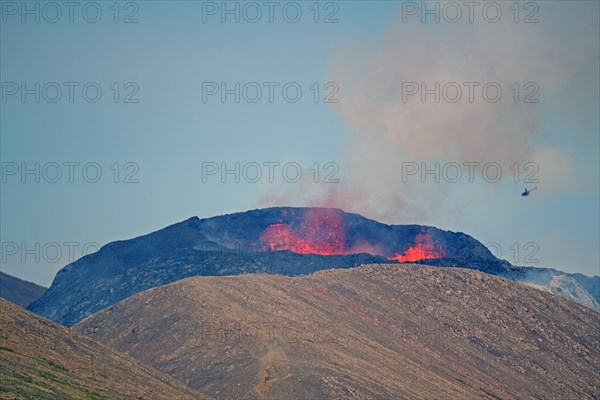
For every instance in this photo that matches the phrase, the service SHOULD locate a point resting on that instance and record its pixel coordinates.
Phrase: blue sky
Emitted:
(170, 132)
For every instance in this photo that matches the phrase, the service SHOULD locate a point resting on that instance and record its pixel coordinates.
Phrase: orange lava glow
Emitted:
(424, 248)
(320, 232)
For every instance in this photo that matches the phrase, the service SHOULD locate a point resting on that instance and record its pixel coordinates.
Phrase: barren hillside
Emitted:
(382, 331)
(40, 359)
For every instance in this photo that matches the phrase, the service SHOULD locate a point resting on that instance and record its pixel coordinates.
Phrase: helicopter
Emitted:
(528, 191)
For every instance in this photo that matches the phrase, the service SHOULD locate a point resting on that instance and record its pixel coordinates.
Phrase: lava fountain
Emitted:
(424, 247)
(319, 232)
(323, 232)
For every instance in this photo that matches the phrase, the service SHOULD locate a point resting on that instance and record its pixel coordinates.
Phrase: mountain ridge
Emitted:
(19, 291)
(256, 241)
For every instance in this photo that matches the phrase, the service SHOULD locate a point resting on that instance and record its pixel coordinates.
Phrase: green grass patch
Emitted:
(48, 375)
(94, 396)
(7, 349)
(48, 363)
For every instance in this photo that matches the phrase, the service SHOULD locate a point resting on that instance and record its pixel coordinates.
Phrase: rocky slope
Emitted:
(40, 359)
(379, 331)
(18, 291)
(579, 288)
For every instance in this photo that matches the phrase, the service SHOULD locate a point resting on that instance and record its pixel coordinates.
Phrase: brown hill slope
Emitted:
(380, 331)
(40, 359)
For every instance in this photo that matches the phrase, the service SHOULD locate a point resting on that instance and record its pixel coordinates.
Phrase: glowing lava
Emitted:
(424, 248)
(322, 231)
(319, 232)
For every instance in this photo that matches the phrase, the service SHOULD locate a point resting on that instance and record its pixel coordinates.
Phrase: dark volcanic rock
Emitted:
(241, 229)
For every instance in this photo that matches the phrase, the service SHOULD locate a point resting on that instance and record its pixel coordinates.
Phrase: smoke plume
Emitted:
(551, 65)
